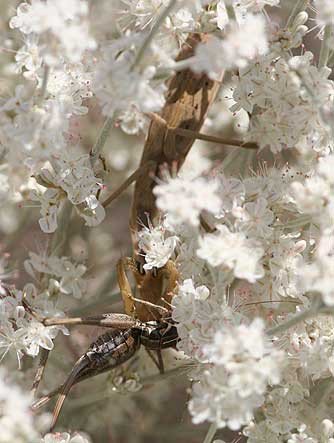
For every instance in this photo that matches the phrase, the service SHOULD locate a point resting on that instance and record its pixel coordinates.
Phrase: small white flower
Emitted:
(157, 249)
(65, 437)
(240, 45)
(325, 12)
(185, 199)
(255, 218)
(68, 274)
(37, 335)
(302, 436)
(234, 251)
(17, 422)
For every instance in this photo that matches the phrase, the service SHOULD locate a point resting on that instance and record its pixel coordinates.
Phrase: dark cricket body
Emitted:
(159, 335)
(109, 351)
(113, 348)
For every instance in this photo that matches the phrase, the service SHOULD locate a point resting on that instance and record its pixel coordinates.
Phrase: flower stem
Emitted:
(211, 433)
(45, 80)
(298, 318)
(58, 242)
(230, 10)
(324, 50)
(153, 31)
(101, 140)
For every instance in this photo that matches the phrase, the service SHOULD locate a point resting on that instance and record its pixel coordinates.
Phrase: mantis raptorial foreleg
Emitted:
(143, 281)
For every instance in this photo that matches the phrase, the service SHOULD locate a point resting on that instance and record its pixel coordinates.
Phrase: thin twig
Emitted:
(324, 50)
(153, 31)
(45, 81)
(211, 433)
(133, 177)
(101, 140)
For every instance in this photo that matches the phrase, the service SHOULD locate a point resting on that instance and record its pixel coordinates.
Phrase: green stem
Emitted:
(301, 5)
(324, 50)
(58, 243)
(153, 31)
(211, 433)
(298, 318)
(45, 81)
(230, 11)
(101, 140)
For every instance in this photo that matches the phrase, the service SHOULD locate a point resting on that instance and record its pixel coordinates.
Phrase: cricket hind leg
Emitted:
(109, 351)
(78, 367)
(40, 370)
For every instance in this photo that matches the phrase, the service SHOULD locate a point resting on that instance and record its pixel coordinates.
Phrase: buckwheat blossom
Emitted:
(234, 251)
(231, 193)
(141, 16)
(157, 249)
(325, 12)
(62, 19)
(72, 178)
(120, 86)
(17, 422)
(29, 58)
(241, 8)
(302, 436)
(286, 113)
(238, 47)
(318, 275)
(20, 332)
(194, 196)
(255, 218)
(69, 276)
(285, 261)
(198, 315)
(65, 437)
(245, 362)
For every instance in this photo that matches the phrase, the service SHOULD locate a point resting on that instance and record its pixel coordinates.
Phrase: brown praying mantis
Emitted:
(147, 318)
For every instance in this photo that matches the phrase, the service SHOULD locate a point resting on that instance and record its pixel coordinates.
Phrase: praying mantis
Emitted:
(147, 318)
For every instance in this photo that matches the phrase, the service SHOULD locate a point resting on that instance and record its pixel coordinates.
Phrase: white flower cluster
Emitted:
(120, 86)
(61, 20)
(156, 248)
(65, 437)
(72, 179)
(244, 362)
(251, 234)
(16, 420)
(21, 330)
(240, 45)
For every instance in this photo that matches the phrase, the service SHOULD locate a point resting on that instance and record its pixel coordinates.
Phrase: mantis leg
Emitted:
(172, 277)
(124, 285)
